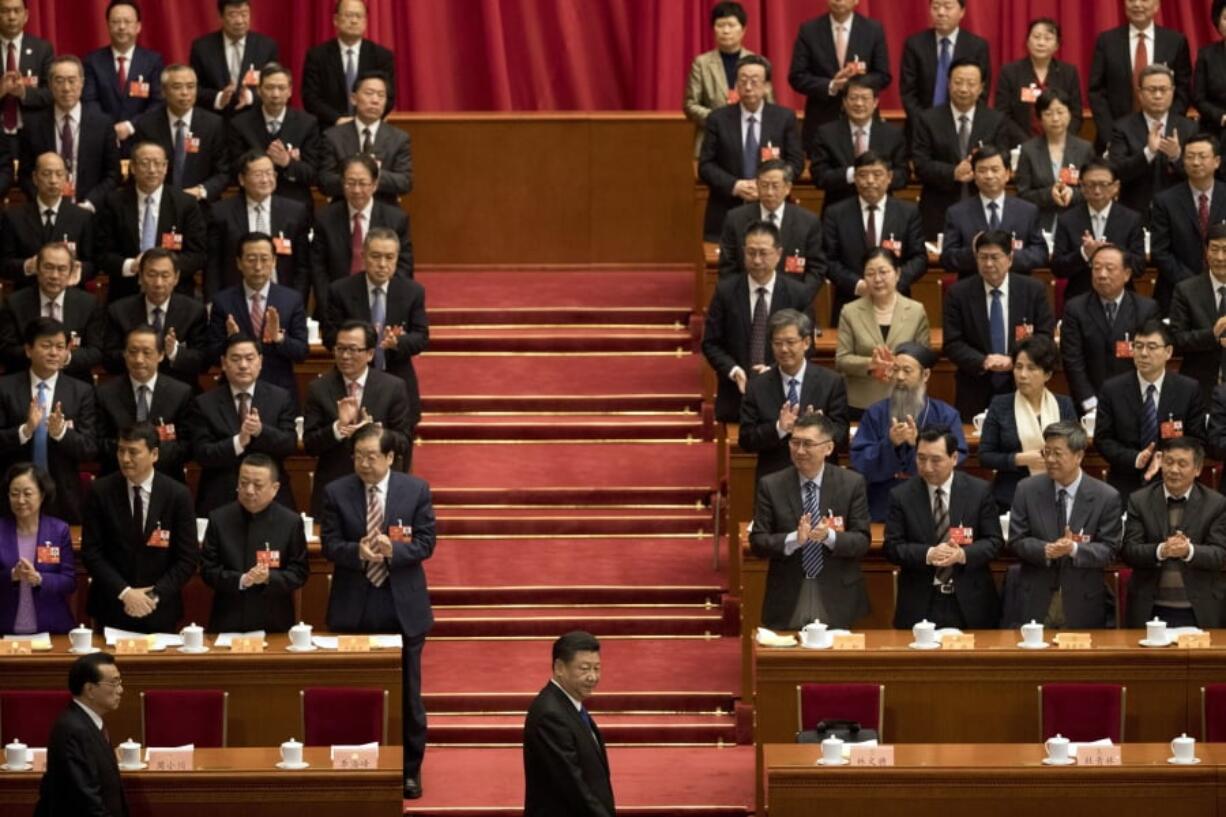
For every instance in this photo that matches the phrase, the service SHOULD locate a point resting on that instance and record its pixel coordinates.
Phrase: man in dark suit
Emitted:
(1065, 528)
(811, 521)
(331, 68)
(48, 216)
(566, 767)
(288, 135)
(928, 55)
(871, 219)
(342, 226)
(830, 50)
(141, 396)
(984, 318)
(1098, 327)
(241, 416)
(261, 309)
(348, 398)
(1146, 146)
(47, 418)
(738, 138)
(1121, 55)
(123, 80)
(1182, 216)
(227, 62)
(76, 309)
(1175, 542)
(82, 774)
(126, 229)
(84, 138)
(194, 138)
(943, 138)
(178, 319)
(734, 337)
(1100, 220)
(24, 87)
(800, 231)
(368, 133)
(1136, 412)
(139, 540)
(836, 145)
(378, 528)
(259, 209)
(1198, 316)
(254, 555)
(793, 387)
(943, 531)
(992, 210)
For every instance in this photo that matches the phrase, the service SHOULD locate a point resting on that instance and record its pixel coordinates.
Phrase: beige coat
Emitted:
(859, 334)
(707, 89)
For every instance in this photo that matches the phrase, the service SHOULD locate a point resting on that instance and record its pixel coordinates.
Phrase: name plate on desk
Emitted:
(854, 641)
(23, 647)
(1073, 641)
(132, 646)
(1195, 641)
(963, 641)
(355, 757)
(1098, 756)
(247, 644)
(170, 759)
(353, 643)
(38, 759)
(878, 756)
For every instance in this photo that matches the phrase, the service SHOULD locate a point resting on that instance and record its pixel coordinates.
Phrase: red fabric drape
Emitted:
(541, 55)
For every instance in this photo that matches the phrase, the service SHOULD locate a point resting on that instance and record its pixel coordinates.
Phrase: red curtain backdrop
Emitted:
(585, 55)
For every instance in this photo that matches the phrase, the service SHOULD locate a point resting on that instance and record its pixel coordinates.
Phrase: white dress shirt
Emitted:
(51, 381)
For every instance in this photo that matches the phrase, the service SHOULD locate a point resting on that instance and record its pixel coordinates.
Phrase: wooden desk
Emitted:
(264, 707)
(1002, 780)
(244, 782)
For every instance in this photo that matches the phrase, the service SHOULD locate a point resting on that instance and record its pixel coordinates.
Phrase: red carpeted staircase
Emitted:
(572, 467)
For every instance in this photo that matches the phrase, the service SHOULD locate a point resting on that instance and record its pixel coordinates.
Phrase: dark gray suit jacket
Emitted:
(391, 147)
(566, 767)
(82, 773)
(821, 388)
(1035, 179)
(1088, 342)
(1123, 230)
(800, 233)
(1178, 247)
(1192, 314)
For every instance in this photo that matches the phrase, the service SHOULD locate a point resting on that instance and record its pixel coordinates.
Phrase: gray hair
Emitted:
(1071, 432)
(1156, 69)
(789, 317)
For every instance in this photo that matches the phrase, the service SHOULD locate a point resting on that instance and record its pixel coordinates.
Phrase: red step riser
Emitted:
(507, 735)
(558, 315)
(602, 702)
(566, 595)
(511, 343)
(471, 628)
(578, 495)
(434, 432)
(537, 403)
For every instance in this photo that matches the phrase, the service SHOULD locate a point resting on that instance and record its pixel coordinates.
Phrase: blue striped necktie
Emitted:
(812, 557)
(1149, 416)
(40, 432)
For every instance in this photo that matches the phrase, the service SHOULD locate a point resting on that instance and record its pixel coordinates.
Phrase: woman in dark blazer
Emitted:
(1021, 82)
(1209, 83)
(1048, 172)
(36, 557)
(1012, 438)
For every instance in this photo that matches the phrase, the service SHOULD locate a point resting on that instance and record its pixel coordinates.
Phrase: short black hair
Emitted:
(271, 69)
(874, 253)
(143, 329)
(258, 460)
(1041, 350)
(1205, 138)
(142, 145)
(87, 670)
(754, 59)
(116, 3)
(764, 228)
(965, 62)
(789, 174)
(860, 81)
(56, 245)
(721, 10)
(870, 157)
(363, 159)
(1117, 248)
(157, 254)
(985, 152)
(930, 434)
(138, 431)
(372, 339)
(816, 420)
(1216, 231)
(1155, 326)
(248, 158)
(43, 327)
(1186, 443)
(251, 237)
(46, 485)
(789, 317)
(1216, 12)
(1049, 97)
(1102, 163)
(576, 641)
(379, 75)
(387, 443)
(995, 238)
(1043, 21)
(222, 5)
(239, 338)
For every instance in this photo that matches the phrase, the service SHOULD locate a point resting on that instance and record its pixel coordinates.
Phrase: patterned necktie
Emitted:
(149, 227)
(1202, 214)
(870, 229)
(180, 153)
(861, 142)
(67, 144)
(940, 520)
(53, 310)
(811, 557)
(1111, 308)
(40, 432)
(244, 406)
(993, 216)
(940, 89)
(749, 160)
(378, 317)
(996, 325)
(261, 222)
(964, 135)
(142, 404)
(757, 334)
(1061, 512)
(366, 143)
(236, 62)
(122, 74)
(1099, 227)
(1149, 416)
(355, 259)
(840, 44)
(794, 391)
(257, 316)
(351, 74)
(274, 128)
(158, 324)
(376, 572)
(10, 104)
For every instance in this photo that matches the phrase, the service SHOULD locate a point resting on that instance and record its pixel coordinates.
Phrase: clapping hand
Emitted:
(56, 424)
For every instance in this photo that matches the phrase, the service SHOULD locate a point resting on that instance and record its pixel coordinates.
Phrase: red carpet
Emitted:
(559, 339)
(591, 288)
(636, 426)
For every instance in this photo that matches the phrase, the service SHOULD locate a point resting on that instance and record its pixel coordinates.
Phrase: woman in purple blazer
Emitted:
(36, 558)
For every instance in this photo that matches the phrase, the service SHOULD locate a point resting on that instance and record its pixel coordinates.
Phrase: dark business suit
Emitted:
(23, 233)
(1095, 513)
(832, 153)
(64, 456)
(384, 398)
(82, 774)
(815, 62)
(279, 358)
(909, 533)
(1123, 229)
(402, 603)
(299, 133)
(228, 223)
(34, 61)
(1216, 442)
(840, 584)
(210, 60)
(1178, 245)
(999, 444)
(1117, 431)
(168, 406)
(102, 91)
(1148, 525)
(966, 219)
(721, 163)
(935, 153)
(332, 249)
(1035, 179)
(566, 767)
(968, 336)
(1209, 87)
(209, 167)
(1014, 76)
(820, 388)
(115, 549)
(234, 535)
(53, 597)
(1140, 180)
(1111, 78)
(1193, 313)
(183, 314)
(918, 68)
(846, 245)
(1088, 344)
(324, 92)
(728, 329)
(97, 170)
(391, 148)
(81, 315)
(800, 233)
(215, 424)
(118, 237)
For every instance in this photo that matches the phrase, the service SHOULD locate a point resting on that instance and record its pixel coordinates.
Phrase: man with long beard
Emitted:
(883, 449)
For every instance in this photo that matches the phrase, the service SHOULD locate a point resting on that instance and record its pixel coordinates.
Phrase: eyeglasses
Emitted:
(1138, 346)
(344, 349)
(112, 683)
(807, 445)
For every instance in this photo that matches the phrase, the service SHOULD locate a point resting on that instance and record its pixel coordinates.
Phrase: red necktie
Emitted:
(123, 75)
(257, 317)
(355, 260)
(1140, 60)
(10, 102)
(1202, 213)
